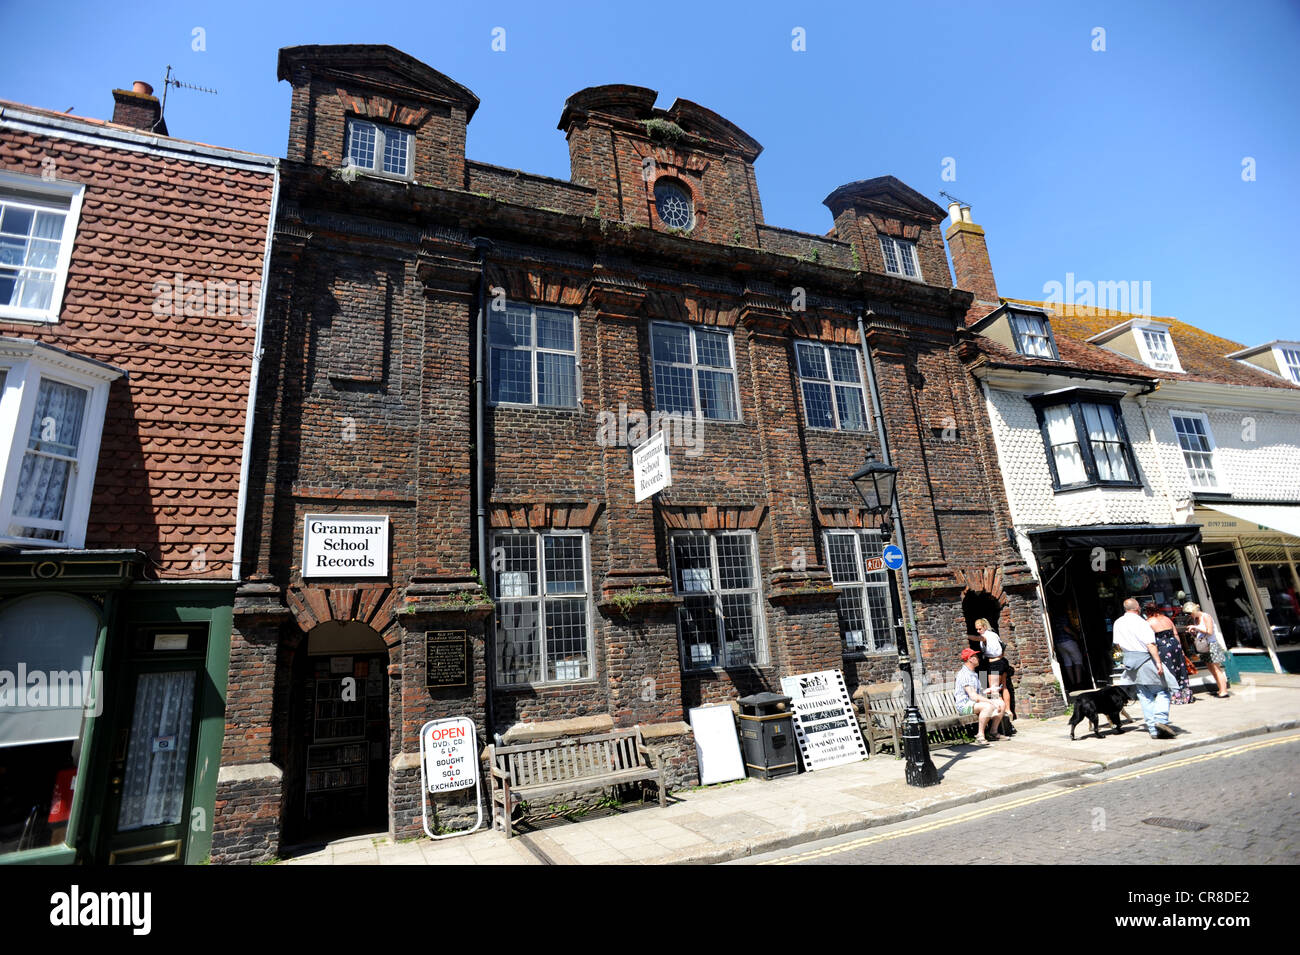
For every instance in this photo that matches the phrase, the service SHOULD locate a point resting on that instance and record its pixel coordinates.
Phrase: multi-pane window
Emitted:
(35, 247)
(720, 622)
(673, 204)
(830, 378)
(858, 573)
(542, 629)
(48, 472)
(376, 148)
(1086, 444)
(1290, 363)
(534, 355)
(1158, 348)
(1032, 336)
(900, 257)
(1197, 444)
(694, 371)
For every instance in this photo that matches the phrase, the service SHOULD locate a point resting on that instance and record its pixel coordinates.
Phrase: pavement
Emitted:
(719, 823)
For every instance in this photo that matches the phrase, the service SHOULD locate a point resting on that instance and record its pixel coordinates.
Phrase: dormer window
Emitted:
(1288, 359)
(1033, 336)
(1156, 348)
(383, 150)
(900, 257)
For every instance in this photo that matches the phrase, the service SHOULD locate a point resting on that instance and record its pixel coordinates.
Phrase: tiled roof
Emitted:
(1201, 354)
(1076, 356)
(168, 473)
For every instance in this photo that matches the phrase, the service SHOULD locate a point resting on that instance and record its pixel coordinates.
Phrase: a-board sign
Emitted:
(824, 723)
(716, 745)
(651, 471)
(450, 754)
(345, 545)
(446, 658)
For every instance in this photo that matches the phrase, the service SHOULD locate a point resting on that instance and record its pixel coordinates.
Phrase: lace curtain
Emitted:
(1065, 445)
(51, 455)
(154, 790)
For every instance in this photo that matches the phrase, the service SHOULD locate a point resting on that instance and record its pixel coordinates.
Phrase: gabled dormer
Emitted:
(1022, 328)
(1143, 340)
(1276, 358)
(892, 228)
(371, 110)
(684, 169)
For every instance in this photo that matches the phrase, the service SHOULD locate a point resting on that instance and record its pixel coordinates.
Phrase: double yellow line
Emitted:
(1025, 801)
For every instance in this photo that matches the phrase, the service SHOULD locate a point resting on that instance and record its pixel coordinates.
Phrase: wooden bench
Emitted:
(537, 770)
(884, 711)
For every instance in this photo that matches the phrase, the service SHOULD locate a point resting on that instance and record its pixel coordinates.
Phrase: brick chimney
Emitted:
(970, 255)
(138, 107)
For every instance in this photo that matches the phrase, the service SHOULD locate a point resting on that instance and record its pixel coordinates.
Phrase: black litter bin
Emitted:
(767, 736)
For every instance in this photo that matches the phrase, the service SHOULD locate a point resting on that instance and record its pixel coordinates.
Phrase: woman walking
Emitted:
(1208, 644)
(1171, 652)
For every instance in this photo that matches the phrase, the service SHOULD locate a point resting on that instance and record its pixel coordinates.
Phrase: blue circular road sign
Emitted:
(893, 556)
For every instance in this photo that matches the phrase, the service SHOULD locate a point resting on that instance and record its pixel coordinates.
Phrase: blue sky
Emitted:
(1122, 164)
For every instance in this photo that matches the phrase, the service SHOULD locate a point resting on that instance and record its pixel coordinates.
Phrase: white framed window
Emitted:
(830, 380)
(51, 418)
(385, 150)
(720, 622)
(1288, 361)
(900, 257)
(694, 371)
(38, 223)
(1197, 444)
(534, 356)
(1033, 336)
(858, 573)
(543, 616)
(1156, 347)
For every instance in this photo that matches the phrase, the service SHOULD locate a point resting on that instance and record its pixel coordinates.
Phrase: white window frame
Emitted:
(382, 133)
(1288, 371)
(25, 364)
(1215, 463)
(832, 383)
(1148, 358)
(533, 350)
(1017, 334)
(900, 246)
(54, 195)
(876, 580)
(695, 368)
(540, 599)
(716, 592)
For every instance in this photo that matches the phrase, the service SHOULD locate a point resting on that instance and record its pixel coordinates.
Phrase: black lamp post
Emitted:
(876, 485)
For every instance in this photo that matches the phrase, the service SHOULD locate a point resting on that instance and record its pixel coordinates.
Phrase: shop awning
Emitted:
(1279, 517)
(1115, 536)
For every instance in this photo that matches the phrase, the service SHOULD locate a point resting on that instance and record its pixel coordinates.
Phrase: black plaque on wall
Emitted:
(446, 658)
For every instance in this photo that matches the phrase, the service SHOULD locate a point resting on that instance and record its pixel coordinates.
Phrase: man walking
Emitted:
(1136, 641)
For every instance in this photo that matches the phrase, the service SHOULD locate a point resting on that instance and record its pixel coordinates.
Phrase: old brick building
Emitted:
(458, 357)
(130, 277)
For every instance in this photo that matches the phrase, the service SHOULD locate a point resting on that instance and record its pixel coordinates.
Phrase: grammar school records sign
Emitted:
(824, 723)
(345, 545)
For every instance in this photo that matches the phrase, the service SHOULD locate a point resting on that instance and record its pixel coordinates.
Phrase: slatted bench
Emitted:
(523, 771)
(882, 720)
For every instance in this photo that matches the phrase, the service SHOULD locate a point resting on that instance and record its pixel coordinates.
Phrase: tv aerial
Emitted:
(170, 81)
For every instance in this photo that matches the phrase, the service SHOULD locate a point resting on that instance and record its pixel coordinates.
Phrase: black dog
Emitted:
(1108, 701)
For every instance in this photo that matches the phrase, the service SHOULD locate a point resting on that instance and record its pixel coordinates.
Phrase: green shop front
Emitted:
(112, 690)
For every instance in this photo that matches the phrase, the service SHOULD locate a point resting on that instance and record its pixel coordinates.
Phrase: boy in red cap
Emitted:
(971, 700)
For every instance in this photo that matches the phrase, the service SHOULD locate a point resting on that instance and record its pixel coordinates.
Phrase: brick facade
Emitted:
(368, 405)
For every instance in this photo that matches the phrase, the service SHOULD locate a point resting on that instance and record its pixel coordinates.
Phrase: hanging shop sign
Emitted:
(449, 761)
(345, 545)
(446, 658)
(651, 471)
(824, 723)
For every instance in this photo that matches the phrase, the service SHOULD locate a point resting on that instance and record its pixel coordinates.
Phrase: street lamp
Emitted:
(876, 483)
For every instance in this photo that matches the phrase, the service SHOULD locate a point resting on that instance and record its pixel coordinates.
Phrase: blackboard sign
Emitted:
(446, 658)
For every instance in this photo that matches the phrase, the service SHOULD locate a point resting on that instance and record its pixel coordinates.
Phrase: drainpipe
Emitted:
(898, 519)
(236, 565)
(480, 479)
